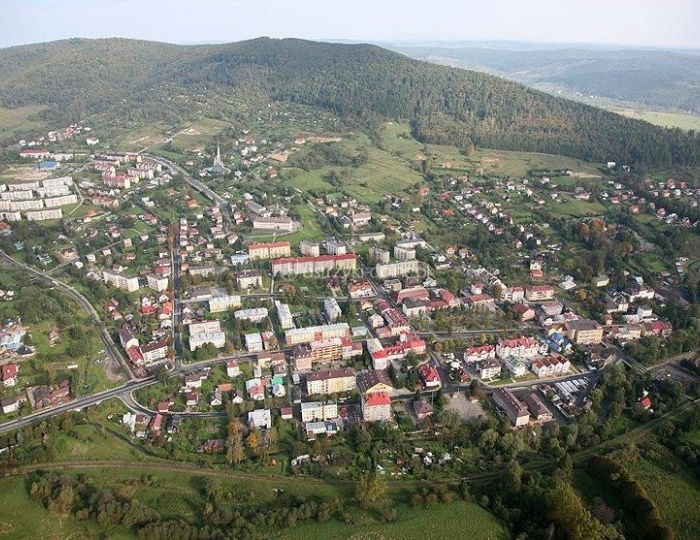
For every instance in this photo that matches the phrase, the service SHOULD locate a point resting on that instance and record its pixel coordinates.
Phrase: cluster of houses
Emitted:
(38, 397)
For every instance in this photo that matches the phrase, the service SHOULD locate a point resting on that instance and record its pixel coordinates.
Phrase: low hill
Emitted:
(136, 80)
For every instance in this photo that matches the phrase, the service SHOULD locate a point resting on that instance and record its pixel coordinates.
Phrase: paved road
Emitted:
(110, 347)
(76, 404)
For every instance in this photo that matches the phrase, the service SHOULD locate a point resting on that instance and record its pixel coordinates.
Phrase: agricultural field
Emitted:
(663, 119)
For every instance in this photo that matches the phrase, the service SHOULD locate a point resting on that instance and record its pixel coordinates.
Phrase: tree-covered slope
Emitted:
(155, 81)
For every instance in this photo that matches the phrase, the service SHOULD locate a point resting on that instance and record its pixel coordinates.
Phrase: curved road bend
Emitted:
(109, 344)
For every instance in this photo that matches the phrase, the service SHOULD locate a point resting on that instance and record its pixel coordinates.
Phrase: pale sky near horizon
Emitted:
(669, 23)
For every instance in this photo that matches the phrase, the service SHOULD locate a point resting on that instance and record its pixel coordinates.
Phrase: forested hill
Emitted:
(155, 81)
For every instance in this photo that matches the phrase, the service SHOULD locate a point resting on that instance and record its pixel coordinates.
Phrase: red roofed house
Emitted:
(430, 375)
(645, 402)
(157, 424)
(9, 374)
(524, 312)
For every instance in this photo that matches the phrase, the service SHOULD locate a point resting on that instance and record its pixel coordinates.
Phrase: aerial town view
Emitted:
(371, 278)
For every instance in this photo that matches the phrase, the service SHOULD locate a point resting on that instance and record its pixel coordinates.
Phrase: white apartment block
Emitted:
(42, 215)
(331, 309)
(34, 204)
(317, 410)
(16, 195)
(55, 202)
(217, 304)
(120, 281)
(24, 186)
(296, 336)
(206, 332)
(54, 191)
(157, 283)
(284, 313)
(53, 182)
(255, 315)
(10, 216)
(397, 269)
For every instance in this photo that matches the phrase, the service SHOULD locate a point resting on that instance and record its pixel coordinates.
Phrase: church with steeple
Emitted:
(218, 168)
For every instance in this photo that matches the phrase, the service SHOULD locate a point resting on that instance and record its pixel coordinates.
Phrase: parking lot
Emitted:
(466, 409)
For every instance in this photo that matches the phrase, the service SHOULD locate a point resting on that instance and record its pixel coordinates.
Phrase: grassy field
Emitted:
(178, 495)
(446, 521)
(674, 488)
(383, 173)
(517, 164)
(18, 120)
(21, 518)
(663, 119)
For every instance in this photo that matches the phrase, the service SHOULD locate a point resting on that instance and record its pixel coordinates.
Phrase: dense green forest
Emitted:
(136, 80)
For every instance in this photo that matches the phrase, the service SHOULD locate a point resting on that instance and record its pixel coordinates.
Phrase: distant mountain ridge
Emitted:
(136, 80)
(656, 78)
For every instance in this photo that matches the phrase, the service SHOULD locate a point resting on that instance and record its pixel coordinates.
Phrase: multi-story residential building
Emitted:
(269, 250)
(490, 369)
(43, 215)
(206, 332)
(398, 269)
(404, 254)
(284, 314)
(539, 293)
(379, 255)
(314, 265)
(10, 216)
(479, 354)
(335, 247)
(33, 204)
(323, 351)
(309, 249)
(54, 191)
(524, 347)
(154, 351)
(255, 315)
(254, 342)
(584, 332)
(16, 195)
(225, 302)
(314, 411)
(376, 407)
(330, 382)
(120, 281)
(65, 200)
(331, 309)
(513, 407)
(157, 283)
(278, 223)
(249, 279)
(296, 336)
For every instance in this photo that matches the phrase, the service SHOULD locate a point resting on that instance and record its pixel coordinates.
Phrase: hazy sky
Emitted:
(671, 23)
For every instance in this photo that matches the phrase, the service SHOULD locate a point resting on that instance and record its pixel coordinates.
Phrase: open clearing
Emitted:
(18, 120)
(663, 119)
